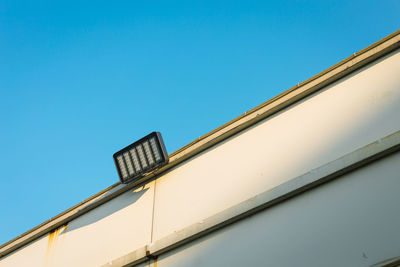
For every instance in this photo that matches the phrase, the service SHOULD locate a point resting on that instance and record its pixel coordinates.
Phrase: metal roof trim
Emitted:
(355, 55)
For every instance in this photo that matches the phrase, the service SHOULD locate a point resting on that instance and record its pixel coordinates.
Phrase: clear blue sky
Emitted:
(81, 80)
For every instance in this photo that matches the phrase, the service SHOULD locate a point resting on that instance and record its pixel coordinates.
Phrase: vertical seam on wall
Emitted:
(152, 216)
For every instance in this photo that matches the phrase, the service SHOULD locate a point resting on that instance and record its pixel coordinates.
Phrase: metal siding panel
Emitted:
(109, 231)
(95, 238)
(32, 254)
(351, 221)
(344, 116)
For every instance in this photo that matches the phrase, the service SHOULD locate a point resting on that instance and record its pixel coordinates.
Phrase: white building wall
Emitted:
(344, 116)
(347, 115)
(95, 238)
(351, 221)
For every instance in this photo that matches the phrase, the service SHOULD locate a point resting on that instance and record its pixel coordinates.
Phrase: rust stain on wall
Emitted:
(52, 242)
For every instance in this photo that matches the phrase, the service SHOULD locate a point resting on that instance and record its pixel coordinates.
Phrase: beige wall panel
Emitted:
(32, 254)
(346, 115)
(95, 238)
(349, 222)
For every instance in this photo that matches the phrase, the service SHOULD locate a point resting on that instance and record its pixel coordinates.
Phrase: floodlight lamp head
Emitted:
(140, 157)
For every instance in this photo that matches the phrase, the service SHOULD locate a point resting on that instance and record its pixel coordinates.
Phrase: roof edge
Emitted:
(344, 61)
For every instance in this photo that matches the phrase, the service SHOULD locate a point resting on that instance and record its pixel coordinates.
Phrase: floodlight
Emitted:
(144, 155)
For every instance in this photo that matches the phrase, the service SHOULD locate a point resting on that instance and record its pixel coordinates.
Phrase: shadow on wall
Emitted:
(107, 209)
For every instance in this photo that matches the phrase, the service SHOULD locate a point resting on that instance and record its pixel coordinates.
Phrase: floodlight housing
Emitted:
(140, 157)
